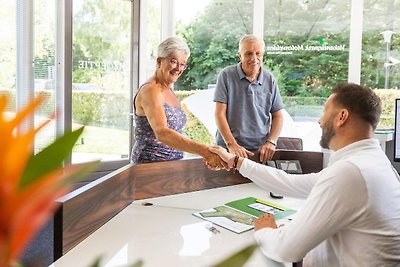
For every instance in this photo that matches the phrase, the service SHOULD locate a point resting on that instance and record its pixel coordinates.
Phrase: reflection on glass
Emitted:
(150, 37)
(213, 32)
(8, 51)
(120, 258)
(44, 38)
(307, 44)
(101, 89)
(309, 56)
(380, 17)
(196, 239)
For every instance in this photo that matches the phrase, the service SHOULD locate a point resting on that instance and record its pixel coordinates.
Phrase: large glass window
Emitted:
(150, 37)
(381, 44)
(8, 50)
(44, 71)
(307, 46)
(307, 49)
(34, 79)
(101, 78)
(213, 36)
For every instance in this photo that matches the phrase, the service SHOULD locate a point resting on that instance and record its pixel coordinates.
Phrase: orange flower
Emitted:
(29, 183)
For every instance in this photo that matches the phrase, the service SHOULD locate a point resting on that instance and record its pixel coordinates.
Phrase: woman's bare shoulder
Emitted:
(150, 94)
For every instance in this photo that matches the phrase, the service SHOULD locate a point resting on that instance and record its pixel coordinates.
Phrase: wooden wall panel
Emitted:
(180, 176)
(86, 209)
(310, 161)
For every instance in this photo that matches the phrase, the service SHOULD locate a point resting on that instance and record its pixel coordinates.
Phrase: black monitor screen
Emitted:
(397, 131)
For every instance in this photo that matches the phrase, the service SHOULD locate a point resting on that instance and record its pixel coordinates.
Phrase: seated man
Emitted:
(351, 216)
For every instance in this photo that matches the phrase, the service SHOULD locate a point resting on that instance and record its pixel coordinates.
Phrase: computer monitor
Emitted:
(396, 138)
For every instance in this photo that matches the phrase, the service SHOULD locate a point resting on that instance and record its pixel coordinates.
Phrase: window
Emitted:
(44, 70)
(307, 46)
(380, 57)
(101, 79)
(150, 37)
(101, 70)
(8, 50)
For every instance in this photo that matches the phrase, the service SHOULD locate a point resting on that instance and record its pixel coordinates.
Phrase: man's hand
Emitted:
(264, 221)
(214, 161)
(239, 151)
(267, 151)
(221, 152)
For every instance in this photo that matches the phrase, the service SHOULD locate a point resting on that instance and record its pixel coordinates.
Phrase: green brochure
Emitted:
(238, 215)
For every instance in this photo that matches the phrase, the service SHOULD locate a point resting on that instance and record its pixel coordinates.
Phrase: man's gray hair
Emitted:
(173, 45)
(250, 38)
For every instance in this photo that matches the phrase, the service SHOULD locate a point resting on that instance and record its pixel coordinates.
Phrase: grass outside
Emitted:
(103, 140)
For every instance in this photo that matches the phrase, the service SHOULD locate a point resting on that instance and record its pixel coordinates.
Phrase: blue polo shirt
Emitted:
(248, 105)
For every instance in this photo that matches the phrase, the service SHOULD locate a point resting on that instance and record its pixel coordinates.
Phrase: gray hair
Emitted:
(173, 45)
(250, 38)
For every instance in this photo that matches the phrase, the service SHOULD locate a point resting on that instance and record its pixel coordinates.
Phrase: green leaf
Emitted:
(96, 263)
(139, 263)
(239, 258)
(50, 158)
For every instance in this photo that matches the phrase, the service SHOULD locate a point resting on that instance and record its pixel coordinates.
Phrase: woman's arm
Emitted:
(151, 101)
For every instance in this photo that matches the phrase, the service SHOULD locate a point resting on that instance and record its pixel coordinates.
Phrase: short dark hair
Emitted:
(359, 100)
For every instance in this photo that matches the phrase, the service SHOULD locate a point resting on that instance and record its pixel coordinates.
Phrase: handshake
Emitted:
(218, 158)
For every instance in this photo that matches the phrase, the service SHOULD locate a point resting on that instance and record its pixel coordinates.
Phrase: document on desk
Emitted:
(238, 215)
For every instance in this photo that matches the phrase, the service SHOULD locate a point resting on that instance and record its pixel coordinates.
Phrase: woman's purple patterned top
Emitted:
(146, 147)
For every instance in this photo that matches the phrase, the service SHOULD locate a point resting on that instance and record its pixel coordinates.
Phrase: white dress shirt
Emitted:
(351, 216)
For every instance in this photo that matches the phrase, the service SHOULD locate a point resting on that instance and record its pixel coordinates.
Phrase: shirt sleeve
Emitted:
(221, 89)
(277, 102)
(338, 197)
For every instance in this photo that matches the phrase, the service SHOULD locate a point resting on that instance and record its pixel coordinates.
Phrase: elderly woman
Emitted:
(159, 117)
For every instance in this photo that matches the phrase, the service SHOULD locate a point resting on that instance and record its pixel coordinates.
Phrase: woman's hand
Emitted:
(224, 155)
(214, 161)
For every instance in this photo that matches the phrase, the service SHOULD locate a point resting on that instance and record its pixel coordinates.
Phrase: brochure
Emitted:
(238, 215)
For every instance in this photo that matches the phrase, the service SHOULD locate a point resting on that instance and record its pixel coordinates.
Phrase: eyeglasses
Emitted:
(175, 63)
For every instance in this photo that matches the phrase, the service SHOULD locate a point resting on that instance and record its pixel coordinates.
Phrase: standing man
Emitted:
(249, 107)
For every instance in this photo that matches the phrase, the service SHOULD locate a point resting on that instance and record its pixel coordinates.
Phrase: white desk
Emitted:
(167, 234)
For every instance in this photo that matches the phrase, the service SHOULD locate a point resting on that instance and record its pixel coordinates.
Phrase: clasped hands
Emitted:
(219, 158)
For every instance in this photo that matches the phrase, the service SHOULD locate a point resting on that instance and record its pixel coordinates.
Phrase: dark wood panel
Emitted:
(180, 176)
(84, 210)
(310, 161)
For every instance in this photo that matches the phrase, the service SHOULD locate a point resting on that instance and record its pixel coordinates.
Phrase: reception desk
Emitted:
(106, 217)
(163, 232)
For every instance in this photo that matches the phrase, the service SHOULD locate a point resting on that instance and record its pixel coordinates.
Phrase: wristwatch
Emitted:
(272, 142)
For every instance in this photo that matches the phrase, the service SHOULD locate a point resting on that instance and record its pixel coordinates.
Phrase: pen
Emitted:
(269, 204)
(212, 229)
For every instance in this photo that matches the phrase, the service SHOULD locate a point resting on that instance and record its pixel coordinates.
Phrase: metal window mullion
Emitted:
(134, 62)
(258, 18)
(167, 19)
(63, 89)
(25, 60)
(355, 45)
